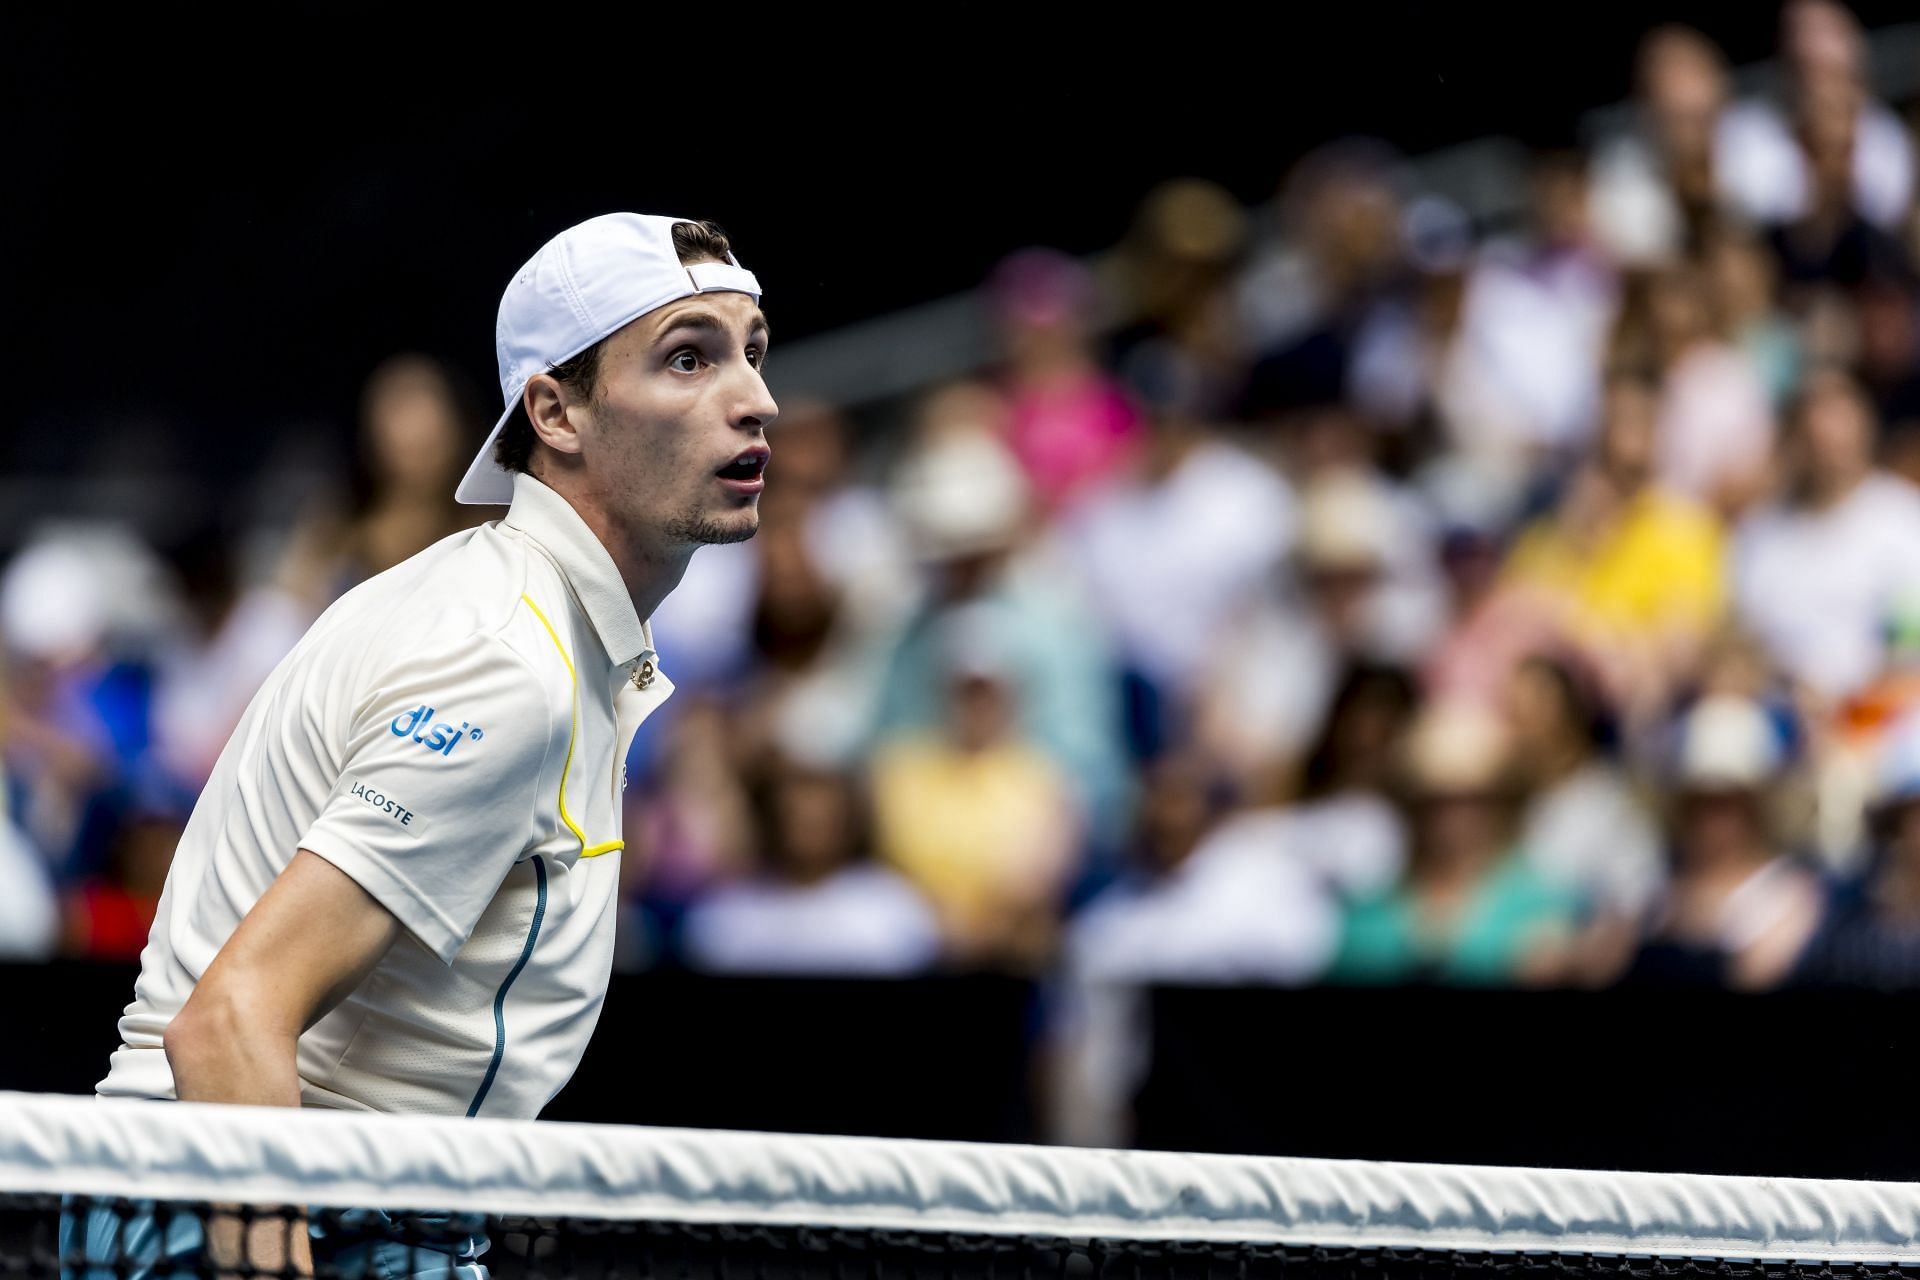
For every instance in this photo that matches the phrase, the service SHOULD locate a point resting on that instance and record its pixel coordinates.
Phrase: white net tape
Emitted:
(189, 1152)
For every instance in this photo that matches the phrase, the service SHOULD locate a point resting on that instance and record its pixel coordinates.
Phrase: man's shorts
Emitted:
(136, 1240)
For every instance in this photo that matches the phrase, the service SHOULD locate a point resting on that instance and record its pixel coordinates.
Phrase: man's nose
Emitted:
(756, 408)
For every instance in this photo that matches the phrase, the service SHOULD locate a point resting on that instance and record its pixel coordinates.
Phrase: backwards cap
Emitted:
(584, 284)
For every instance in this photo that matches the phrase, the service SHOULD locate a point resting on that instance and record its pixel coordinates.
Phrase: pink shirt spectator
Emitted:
(1068, 422)
(1071, 434)
(1716, 424)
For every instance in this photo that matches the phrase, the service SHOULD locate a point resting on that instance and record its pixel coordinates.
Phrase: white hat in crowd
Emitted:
(1728, 744)
(961, 494)
(1345, 523)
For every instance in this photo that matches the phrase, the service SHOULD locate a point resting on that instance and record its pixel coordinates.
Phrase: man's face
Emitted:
(1835, 436)
(1629, 435)
(675, 446)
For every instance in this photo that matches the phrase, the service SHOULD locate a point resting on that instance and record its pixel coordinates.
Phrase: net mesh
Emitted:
(94, 1189)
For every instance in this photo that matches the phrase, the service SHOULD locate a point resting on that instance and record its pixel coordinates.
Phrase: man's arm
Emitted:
(312, 937)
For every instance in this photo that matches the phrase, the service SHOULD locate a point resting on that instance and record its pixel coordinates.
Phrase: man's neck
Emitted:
(1561, 760)
(649, 570)
(1829, 492)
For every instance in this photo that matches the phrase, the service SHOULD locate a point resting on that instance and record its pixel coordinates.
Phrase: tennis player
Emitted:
(397, 891)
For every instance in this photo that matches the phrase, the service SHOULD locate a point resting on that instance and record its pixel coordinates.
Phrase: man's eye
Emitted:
(692, 357)
(756, 357)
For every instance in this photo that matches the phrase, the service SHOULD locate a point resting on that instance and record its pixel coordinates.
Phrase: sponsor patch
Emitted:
(441, 737)
(381, 801)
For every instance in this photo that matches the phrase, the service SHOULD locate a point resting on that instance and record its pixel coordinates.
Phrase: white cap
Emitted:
(1727, 743)
(584, 284)
(1344, 524)
(961, 495)
(1457, 747)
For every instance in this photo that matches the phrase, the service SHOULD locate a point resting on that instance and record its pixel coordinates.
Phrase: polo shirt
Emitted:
(452, 735)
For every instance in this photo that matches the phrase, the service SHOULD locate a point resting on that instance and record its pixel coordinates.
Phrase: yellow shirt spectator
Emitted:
(985, 834)
(1653, 567)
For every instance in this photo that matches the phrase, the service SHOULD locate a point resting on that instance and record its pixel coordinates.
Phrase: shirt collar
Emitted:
(551, 521)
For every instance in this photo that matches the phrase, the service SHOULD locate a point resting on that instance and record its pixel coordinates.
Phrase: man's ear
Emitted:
(545, 401)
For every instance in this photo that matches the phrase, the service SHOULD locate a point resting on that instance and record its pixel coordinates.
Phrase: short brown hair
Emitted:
(513, 450)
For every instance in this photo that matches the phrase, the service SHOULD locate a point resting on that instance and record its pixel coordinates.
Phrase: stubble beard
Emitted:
(698, 529)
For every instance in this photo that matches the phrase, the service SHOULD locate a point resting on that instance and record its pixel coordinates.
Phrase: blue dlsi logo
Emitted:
(444, 737)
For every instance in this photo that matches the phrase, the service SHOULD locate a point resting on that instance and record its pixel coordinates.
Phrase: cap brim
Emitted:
(487, 483)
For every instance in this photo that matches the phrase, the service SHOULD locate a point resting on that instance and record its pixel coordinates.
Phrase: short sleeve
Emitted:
(449, 754)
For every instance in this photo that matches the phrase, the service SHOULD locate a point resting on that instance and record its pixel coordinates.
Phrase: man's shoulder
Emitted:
(465, 584)
(461, 602)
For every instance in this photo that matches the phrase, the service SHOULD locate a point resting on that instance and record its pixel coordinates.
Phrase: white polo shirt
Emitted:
(452, 734)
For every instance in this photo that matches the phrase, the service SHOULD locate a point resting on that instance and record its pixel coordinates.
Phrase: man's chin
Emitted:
(733, 533)
(737, 526)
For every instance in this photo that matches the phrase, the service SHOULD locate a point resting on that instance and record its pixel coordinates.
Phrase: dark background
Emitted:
(1654, 1080)
(215, 228)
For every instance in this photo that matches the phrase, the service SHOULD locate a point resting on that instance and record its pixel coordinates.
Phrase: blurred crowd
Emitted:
(1348, 592)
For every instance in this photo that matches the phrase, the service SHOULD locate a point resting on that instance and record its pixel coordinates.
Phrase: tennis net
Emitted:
(164, 1190)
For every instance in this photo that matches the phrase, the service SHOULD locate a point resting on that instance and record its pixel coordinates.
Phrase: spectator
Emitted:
(1069, 422)
(816, 904)
(1715, 421)
(1491, 627)
(1582, 826)
(1738, 909)
(1310, 288)
(689, 825)
(1406, 339)
(1472, 909)
(1744, 282)
(1832, 240)
(1175, 262)
(1196, 908)
(963, 502)
(1521, 389)
(1631, 573)
(1193, 527)
(87, 615)
(796, 608)
(243, 630)
(1819, 575)
(1769, 175)
(1888, 312)
(972, 811)
(1343, 822)
(1340, 828)
(1275, 673)
(415, 422)
(1658, 183)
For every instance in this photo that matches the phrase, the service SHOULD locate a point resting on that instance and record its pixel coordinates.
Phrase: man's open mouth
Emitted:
(748, 466)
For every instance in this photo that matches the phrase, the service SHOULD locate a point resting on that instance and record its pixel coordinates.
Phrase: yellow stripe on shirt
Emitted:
(573, 730)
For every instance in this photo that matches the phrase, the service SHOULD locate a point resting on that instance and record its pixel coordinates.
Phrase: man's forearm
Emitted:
(308, 941)
(220, 1054)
